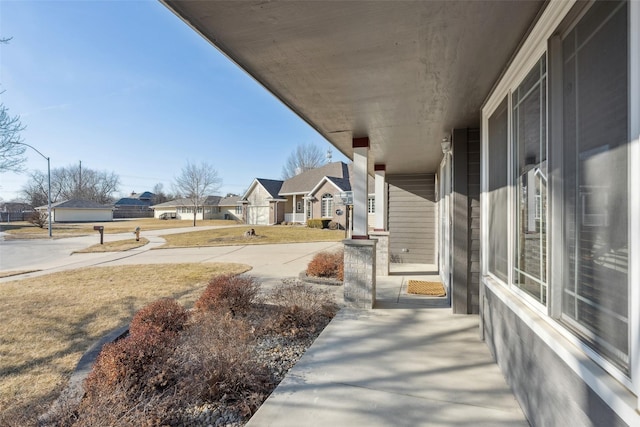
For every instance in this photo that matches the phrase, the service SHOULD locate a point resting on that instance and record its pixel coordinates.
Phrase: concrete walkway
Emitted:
(401, 365)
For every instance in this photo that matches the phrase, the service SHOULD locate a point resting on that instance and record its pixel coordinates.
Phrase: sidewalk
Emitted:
(401, 365)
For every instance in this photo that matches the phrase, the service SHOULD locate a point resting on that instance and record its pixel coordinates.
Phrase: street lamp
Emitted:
(49, 180)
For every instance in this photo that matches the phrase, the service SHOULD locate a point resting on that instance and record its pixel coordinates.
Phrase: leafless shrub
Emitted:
(304, 310)
(39, 219)
(228, 293)
(162, 316)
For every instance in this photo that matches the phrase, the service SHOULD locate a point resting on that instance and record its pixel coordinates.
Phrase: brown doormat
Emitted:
(421, 287)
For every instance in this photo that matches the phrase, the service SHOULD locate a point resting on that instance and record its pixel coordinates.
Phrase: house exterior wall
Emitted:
(328, 188)
(466, 221)
(81, 215)
(258, 211)
(229, 212)
(569, 357)
(412, 218)
(549, 392)
(157, 212)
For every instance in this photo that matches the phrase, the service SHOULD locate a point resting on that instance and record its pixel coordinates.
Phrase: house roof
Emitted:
(306, 181)
(230, 201)
(272, 187)
(208, 201)
(130, 201)
(77, 204)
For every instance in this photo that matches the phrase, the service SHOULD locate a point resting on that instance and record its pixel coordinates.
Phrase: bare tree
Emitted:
(11, 153)
(303, 158)
(72, 182)
(196, 182)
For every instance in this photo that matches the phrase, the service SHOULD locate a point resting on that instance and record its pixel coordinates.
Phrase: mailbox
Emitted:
(99, 229)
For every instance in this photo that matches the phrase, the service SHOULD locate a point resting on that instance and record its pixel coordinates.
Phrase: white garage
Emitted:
(79, 211)
(258, 215)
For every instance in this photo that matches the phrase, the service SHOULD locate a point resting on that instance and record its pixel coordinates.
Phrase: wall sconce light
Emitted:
(446, 145)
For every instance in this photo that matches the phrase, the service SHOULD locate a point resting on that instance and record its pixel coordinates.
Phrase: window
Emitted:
(309, 209)
(327, 206)
(498, 192)
(298, 206)
(238, 209)
(585, 162)
(529, 118)
(594, 172)
(372, 204)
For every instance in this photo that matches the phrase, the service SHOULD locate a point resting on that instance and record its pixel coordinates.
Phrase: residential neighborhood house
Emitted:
(313, 194)
(77, 210)
(212, 207)
(134, 206)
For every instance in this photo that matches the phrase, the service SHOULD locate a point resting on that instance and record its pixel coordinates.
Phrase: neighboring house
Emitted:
(77, 210)
(15, 211)
(316, 194)
(504, 138)
(183, 209)
(134, 206)
(261, 204)
(230, 208)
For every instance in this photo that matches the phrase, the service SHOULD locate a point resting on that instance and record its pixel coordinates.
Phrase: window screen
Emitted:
(497, 197)
(530, 177)
(595, 285)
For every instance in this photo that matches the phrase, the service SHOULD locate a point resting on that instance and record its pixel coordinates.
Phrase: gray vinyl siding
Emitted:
(412, 218)
(473, 186)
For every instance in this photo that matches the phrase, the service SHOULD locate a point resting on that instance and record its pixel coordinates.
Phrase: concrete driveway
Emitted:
(270, 262)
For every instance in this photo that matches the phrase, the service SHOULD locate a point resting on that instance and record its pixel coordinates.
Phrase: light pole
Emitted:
(49, 181)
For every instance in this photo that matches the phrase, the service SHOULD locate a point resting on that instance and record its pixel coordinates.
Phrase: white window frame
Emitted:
(530, 51)
(326, 206)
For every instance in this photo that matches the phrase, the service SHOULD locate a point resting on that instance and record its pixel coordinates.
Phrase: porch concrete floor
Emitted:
(408, 362)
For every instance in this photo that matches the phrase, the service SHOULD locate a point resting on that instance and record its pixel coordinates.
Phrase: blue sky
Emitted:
(126, 86)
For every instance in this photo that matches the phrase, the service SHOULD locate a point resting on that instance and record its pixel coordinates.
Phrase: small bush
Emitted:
(304, 310)
(333, 225)
(39, 218)
(315, 223)
(164, 315)
(228, 293)
(133, 364)
(216, 361)
(327, 264)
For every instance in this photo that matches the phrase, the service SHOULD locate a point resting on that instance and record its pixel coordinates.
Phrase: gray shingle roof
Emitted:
(209, 201)
(272, 186)
(306, 181)
(230, 201)
(77, 204)
(130, 201)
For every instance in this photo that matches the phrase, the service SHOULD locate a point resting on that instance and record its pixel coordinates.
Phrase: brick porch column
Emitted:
(360, 273)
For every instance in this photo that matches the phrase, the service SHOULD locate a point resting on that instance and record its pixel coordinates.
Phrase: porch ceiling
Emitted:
(402, 73)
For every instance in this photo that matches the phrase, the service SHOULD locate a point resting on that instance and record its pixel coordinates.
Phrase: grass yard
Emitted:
(264, 235)
(25, 230)
(48, 322)
(117, 246)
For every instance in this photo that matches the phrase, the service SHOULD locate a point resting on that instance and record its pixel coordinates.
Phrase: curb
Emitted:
(319, 280)
(74, 391)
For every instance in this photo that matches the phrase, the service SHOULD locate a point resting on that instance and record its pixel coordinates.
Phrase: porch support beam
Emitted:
(379, 232)
(381, 198)
(360, 190)
(294, 209)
